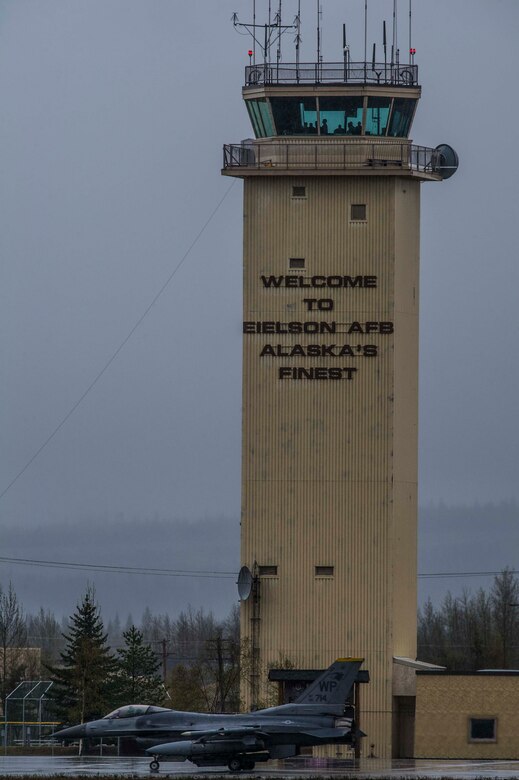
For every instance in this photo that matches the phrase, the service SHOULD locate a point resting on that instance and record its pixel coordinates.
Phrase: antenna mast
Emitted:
(346, 53)
(365, 37)
(297, 25)
(384, 43)
(318, 34)
(278, 20)
(395, 30)
(410, 23)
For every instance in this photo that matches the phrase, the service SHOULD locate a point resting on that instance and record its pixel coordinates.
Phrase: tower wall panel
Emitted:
(329, 465)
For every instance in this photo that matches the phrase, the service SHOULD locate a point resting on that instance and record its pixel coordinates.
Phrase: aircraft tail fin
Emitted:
(334, 685)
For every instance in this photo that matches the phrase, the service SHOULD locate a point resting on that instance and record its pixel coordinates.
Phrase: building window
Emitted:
(268, 571)
(324, 571)
(261, 118)
(294, 115)
(298, 191)
(296, 262)
(482, 729)
(358, 212)
(377, 115)
(341, 115)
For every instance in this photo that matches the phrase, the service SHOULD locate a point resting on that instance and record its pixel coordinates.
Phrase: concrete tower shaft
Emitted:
(330, 373)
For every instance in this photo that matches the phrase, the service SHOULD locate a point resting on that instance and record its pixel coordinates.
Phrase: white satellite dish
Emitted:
(244, 583)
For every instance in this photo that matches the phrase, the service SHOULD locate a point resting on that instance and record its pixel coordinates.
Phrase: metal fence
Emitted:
(332, 73)
(27, 714)
(330, 156)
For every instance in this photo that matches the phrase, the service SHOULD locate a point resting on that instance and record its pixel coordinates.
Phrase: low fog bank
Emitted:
(201, 545)
(459, 538)
(476, 538)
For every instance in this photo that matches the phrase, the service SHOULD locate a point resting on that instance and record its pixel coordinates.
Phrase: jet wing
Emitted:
(325, 733)
(234, 732)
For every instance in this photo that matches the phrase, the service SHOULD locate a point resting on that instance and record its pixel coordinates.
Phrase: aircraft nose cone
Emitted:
(74, 732)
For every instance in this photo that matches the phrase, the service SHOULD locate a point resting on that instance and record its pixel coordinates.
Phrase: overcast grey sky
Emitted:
(113, 116)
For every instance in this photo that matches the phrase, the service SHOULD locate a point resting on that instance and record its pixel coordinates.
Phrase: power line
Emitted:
(123, 569)
(121, 346)
(439, 574)
(114, 569)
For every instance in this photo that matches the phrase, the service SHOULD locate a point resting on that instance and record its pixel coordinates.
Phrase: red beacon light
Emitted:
(412, 51)
(250, 52)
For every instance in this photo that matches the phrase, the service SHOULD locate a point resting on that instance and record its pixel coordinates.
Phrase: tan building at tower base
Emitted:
(471, 715)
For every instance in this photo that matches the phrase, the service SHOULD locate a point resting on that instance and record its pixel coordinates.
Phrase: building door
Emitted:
(404, 718)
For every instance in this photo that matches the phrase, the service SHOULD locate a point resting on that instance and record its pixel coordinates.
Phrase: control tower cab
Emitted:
(334, 117)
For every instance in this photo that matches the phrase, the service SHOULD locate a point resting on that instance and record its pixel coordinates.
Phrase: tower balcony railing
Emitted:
(395, 74)
(279, 156)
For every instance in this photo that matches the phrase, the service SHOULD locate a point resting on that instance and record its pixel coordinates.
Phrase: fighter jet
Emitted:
(238, 741)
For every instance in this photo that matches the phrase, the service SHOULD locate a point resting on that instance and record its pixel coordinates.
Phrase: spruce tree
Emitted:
(84, 680)
(138, 678)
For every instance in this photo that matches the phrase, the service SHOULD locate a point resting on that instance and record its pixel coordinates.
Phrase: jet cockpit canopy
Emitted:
(133, 710)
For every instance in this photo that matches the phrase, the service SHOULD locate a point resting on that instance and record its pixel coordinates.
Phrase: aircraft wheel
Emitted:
(235, 764)
(154, 765)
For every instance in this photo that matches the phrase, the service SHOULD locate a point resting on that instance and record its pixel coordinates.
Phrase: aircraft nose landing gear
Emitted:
(154, 764)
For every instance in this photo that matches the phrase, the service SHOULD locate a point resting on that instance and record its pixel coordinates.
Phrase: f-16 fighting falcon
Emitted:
(315, 718)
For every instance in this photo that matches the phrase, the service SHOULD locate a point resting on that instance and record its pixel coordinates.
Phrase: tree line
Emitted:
(191, 662)
(474, 631)
(194, 661)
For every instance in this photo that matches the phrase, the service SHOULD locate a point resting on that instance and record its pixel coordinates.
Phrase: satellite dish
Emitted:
(244, 583)
(448, 161)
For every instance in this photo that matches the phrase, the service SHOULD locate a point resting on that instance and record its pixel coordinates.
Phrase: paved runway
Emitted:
(18, 766)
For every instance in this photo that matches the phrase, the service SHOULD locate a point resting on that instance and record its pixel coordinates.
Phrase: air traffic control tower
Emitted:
(330, 371)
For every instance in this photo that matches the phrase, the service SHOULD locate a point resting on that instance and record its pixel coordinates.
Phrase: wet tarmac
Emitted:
(376, 769)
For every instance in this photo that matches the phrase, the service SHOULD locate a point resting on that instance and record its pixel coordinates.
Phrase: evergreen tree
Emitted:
(84, 680)
(137, 678)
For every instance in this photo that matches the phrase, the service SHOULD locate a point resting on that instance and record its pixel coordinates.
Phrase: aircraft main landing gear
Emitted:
(154, 764)
(237, 763)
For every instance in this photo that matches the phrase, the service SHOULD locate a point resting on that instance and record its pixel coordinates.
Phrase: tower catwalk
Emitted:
(330, 372)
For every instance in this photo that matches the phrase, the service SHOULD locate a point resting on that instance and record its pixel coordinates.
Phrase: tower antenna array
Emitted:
(273, 29)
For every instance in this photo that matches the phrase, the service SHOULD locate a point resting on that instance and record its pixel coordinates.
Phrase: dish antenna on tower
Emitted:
(244, 583)
(448, 161)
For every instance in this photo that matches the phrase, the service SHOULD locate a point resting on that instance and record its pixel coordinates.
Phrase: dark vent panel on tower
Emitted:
(296, 263)
(358, 212)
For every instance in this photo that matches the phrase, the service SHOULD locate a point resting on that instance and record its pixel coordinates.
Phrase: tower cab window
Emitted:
(294, 115)
(261, 118)
(341, 115)
(401, 117)
(377, 115)
(331, 115)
